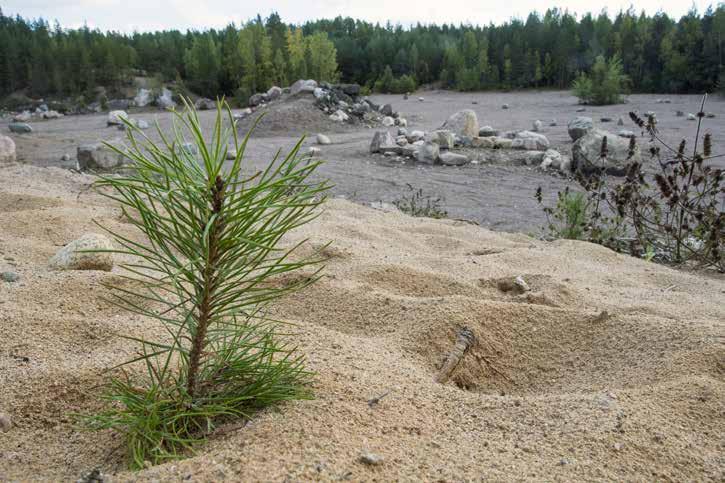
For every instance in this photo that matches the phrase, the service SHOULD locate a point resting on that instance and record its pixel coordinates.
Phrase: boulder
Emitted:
(487, 132)
(416, 136)
(463, 123)
(99, 157)
(51, 115)
(166, 99)
(352, 90)
(530, 141)
(143, 98)
(453, 159)
(388, 121)
(443, 138)
(402, 131)
(553, 123)
(505, 106)
(483, 142)
(339, 116)
(319, 93)
(274, 92)
(386, 110)
(7, 150)
(115, 118)
(257, 99)
(402, 122)
(24, 116)
(587, 149)
(428, 153)
(623, 133)
(401, 141)
(502, 143)
(141, 124)
(579, 126)
(322, 139)
(381, 139)
(205, 104)
(303, 87)
(691, 117)
(77, 255)
(537, 126)
(20, 128)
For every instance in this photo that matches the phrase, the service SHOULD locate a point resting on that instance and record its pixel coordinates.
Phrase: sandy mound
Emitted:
(553, 389)
(291, 116)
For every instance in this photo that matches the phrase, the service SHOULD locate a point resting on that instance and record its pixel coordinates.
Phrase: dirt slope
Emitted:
(553, 389)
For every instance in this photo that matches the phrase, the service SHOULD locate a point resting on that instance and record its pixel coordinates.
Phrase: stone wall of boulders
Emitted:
(341, 102)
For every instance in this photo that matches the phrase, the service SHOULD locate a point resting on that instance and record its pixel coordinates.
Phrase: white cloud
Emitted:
(127, 15)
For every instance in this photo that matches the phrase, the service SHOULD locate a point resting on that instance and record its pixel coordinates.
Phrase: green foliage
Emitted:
(203, 65)
(415, 203)
(206, 269)
(604, 85)
(570, 218)
(657, 53)
(389, 84)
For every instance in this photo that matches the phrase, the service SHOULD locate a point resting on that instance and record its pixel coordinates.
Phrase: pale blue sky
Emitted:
(129, 15)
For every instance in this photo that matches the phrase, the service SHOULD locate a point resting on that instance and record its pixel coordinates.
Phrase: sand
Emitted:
(553, 390)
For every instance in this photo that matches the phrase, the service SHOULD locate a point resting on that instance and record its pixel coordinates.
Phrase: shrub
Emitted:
(674, 215)
(206, 272)
(604, 85)
(418, 204)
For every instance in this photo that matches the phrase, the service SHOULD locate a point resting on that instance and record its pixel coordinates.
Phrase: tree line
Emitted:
(658, 54)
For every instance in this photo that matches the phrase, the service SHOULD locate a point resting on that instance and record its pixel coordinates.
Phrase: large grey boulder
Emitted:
(388, 121)
(586, 153)
(530, 141)
(443, 138)
(115, 118)
(257, 99)
(339, 116)
(428, 153)
(453, 159)
(537, 126)
(143, 98)
(24, 116)
(166, 99)
(463, 123)
(51, 115)
(205, 104)
(274, 92)
(7, 150)
(20, 128)
(81, 254)
(322, 139)
(381, 140)
(579, 126)
(303, 87)
(99, 157)
(487, 132)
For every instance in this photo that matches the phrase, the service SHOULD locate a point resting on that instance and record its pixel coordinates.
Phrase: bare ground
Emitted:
(498, 197)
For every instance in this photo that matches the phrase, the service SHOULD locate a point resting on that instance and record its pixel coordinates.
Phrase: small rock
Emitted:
(313, 151)
(553, 123)
(416, 136)
(505, 106)
(581, 109)
(620, 121)
(65, 157)
(605, 119)
(141, 124)
(618, 446)
(537, 126)
(487, 132)
(626, 134)
(9, 277)
(5, 423)
(421, 99)
(453, 159)
(7, 150)
(710, 115)
(322, 139)
(20, 128)
(115, 118)
(388, 121)
(402, 131)
(691, 117)
(77, 255)
(680, 113)
(521, 284)
(339, 116)
(371, 459)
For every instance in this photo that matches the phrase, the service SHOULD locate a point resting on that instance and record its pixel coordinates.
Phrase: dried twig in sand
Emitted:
(464, 341)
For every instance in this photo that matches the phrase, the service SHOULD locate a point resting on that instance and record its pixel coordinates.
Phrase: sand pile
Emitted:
(291, 116)
(608, 368)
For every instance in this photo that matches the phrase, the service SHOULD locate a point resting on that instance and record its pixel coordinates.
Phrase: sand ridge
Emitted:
(553, 389)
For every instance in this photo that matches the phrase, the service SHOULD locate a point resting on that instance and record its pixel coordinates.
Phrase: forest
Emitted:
(658, 54)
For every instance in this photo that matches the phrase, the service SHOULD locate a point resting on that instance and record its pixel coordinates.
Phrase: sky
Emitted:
(145, 15)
